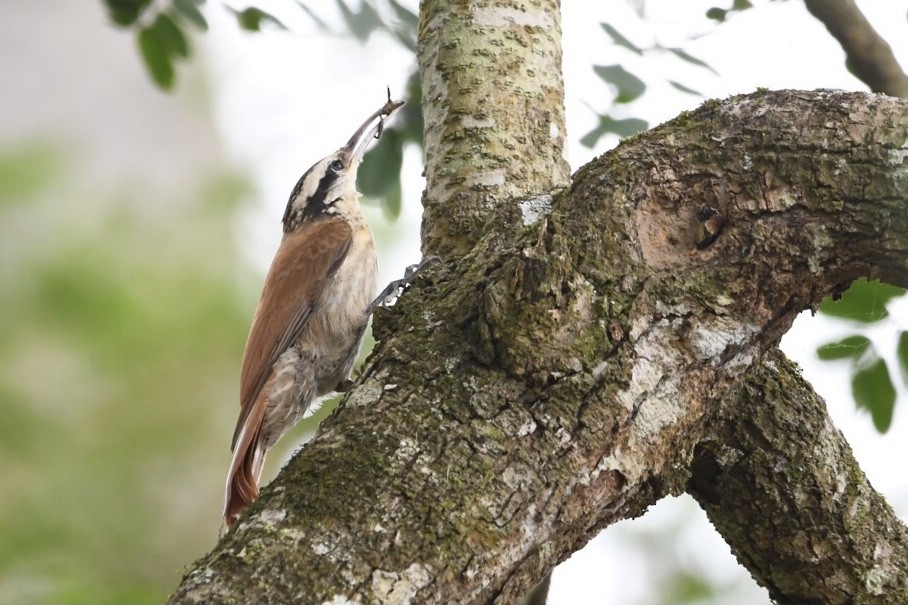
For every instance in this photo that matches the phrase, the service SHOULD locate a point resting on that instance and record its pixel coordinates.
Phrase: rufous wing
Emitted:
(306, 261)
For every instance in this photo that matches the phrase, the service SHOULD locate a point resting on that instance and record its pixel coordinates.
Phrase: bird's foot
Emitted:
(392, 291)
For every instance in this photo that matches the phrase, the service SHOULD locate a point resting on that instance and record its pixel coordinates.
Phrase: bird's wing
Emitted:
(306, 259)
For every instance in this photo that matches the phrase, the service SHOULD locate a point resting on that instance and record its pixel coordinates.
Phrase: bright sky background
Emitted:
(286, 100)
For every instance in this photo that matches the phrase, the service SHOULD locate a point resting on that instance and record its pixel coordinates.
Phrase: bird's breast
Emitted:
(341, 312)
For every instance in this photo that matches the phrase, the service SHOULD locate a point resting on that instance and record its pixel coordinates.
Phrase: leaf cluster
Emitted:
(871, 381)
(162, 34)
(380, 173)
(629, 87)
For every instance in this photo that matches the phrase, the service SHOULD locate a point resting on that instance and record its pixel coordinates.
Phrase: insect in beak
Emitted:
(352, 153)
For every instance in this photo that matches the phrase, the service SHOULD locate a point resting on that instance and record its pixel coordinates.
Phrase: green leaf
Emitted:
(717, 14)
(405, 15)
(252, 19)
(902, 352)
(590, 139)
(172, 35)
(619, 39)
(321, 23)
(629, 86)
(392, 201)
(125, 12)
(721, 14)
(361, 24)
(850, 347)
(683, 88)
(190, 10)
(410, 121)
(686, 56)
(873, 391)
(623, 128)
(155, 51)
(381, 165)
(687, 587)
(379, 174)
(864, 301)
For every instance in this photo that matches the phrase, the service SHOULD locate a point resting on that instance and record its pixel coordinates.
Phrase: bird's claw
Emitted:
(392, 291)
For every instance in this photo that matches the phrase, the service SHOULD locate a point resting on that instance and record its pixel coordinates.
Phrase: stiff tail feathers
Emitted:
(245, 468)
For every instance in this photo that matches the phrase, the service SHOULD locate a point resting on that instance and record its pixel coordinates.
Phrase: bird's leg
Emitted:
(393, 290)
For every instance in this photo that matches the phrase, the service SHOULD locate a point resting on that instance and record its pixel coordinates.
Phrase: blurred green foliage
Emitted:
(252, 19)
(721, 14)
(862, 304)
(673, 575)
(162, 34)
(121, 330)
(161, 31)
(380, 174)
(628, 87)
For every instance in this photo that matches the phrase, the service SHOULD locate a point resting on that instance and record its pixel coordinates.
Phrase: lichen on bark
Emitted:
(784, 490)
(488, 98)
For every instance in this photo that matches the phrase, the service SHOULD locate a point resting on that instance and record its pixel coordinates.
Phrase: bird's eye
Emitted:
(336, 166)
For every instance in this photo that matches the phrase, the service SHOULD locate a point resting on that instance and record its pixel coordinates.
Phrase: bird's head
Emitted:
(328, 188)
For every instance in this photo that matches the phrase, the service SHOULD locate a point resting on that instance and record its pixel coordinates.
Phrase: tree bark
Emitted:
(493, 104)
(561, 375)
(867, 55)
(780, 484)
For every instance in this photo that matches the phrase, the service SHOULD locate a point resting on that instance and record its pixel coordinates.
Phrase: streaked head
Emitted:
(329, 186)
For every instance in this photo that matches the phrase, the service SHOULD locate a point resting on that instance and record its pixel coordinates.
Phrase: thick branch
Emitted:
(780, 484)
(526, 395)
(868, 56)
(493, 103)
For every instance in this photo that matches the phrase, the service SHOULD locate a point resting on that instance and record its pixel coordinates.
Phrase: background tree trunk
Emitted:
(867, 55)
(561, 376)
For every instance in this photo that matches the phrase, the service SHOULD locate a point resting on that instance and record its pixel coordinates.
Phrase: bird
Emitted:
(309, 324)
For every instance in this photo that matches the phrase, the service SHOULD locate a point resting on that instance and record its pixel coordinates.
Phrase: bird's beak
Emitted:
(352, 153)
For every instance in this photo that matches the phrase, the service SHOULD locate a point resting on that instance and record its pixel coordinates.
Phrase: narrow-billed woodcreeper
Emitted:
(310, 321)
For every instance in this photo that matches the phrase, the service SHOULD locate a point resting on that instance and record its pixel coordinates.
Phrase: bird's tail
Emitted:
(245, 469)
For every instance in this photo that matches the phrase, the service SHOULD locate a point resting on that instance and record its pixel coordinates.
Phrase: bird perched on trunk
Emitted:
(310, 321)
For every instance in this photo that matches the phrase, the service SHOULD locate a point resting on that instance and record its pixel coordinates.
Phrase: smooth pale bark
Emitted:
(560, 376)
(493, 103)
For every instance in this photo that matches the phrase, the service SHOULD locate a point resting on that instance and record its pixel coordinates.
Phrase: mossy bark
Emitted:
(780, 484)
(569, 370)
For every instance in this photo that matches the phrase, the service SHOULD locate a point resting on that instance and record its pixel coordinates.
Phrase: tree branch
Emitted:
(559, 377)
(780, 484)
(867, 55)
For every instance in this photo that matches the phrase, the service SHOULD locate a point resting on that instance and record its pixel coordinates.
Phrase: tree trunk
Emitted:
(580, 355)
(493, 103)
